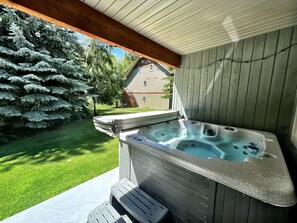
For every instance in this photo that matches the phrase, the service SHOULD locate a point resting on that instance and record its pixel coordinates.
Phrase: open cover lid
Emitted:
(113, 124)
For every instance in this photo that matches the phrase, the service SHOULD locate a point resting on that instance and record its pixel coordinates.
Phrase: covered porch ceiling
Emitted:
(164, 30)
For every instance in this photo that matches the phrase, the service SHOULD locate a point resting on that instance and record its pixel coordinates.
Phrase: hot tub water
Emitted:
(206, 141)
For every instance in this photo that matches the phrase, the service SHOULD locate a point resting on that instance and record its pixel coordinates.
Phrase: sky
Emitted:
(117, 52)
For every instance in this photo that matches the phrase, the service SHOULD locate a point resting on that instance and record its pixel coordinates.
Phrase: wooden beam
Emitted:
(75, 15)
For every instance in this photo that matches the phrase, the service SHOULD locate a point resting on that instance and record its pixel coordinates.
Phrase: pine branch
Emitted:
(9, 111)
(7, 96)
(33, 98)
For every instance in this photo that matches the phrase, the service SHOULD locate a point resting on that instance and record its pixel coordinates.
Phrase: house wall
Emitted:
(150, 100)
(145, 86)
(221, 85)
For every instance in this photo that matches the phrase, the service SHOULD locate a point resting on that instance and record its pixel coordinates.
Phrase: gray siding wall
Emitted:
(233, 85)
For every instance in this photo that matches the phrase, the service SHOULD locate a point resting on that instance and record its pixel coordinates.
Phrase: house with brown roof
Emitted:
(144, 84)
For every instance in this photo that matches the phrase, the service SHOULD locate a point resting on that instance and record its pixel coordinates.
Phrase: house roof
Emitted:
(133, 65)
(165, 30)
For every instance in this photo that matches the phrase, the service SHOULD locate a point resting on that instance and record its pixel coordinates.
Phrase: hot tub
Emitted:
(206, 172)
(207, 141)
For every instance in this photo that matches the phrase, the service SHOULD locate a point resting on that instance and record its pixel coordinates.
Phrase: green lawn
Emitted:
(37, 168)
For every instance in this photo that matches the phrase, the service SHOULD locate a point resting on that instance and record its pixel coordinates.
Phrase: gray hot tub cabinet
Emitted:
(189, 196)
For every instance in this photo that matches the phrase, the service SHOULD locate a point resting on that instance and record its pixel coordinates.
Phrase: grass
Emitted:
(39, 167)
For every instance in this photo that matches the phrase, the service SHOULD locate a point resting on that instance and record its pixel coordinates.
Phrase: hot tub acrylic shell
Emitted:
(207, 141)
(263, 181)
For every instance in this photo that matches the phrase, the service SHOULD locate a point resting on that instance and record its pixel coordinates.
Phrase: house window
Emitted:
(294, 127)
(144, 83)
(144, 98)
(151, 67)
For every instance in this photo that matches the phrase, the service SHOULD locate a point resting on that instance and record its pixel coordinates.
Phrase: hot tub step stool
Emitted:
(105, 213)
(139, 204)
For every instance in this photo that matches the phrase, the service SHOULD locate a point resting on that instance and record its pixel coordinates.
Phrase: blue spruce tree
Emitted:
(41, 83)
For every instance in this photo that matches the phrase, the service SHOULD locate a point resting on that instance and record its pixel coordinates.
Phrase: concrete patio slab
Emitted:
(72, 206)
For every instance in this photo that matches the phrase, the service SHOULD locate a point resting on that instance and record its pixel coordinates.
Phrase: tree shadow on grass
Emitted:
(54, 148)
